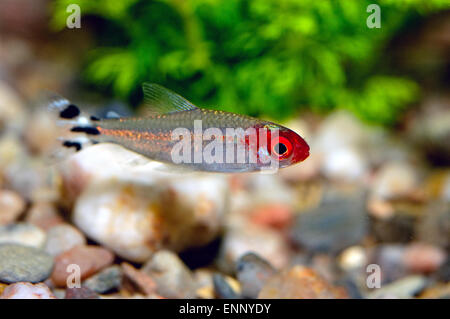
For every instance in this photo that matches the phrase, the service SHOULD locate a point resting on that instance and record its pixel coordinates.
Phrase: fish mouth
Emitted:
(305, 155)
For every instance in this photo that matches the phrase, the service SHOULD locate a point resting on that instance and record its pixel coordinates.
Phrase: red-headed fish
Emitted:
(177, 132)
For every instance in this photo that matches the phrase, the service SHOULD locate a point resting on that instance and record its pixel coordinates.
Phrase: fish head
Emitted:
(285, 146)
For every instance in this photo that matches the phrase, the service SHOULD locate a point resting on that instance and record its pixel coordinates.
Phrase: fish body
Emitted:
(178, 132)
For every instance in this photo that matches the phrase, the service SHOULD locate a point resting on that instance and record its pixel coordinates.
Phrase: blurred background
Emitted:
(373, 103)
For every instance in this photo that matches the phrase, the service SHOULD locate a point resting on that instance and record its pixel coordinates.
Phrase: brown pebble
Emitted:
(90, 259)
(139, 279)
(80, 293)
(11, 206)
(300, 283)
(43, 215)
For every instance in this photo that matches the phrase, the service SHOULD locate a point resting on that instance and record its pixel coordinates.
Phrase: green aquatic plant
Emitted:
(263, 58)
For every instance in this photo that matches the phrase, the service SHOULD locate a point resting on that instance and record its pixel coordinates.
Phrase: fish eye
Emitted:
(281, 147)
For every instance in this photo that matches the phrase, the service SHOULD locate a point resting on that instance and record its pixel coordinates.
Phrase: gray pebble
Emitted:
(59, 293)
(222, 289)
(105, 281)
(337, 223)
(390, 259)
(252, 273)
(443, 273)
(62, 238)
(22, 263)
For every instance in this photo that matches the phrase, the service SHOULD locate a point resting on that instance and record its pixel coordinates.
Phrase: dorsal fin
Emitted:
(160, 100)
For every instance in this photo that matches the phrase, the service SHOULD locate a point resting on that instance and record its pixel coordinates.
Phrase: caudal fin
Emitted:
(73, 120)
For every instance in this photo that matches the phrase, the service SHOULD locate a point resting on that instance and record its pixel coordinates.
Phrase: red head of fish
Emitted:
(281, 144)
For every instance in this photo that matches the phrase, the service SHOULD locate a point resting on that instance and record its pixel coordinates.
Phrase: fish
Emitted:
(176, 132)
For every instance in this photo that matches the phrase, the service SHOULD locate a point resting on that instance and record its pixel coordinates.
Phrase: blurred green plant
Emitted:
(263, 58)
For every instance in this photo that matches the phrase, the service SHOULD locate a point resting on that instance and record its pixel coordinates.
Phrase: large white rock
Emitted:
(136, 206)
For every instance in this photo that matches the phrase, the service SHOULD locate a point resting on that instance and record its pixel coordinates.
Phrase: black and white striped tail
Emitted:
(71, 116)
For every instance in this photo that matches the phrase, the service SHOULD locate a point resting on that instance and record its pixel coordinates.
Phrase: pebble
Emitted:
(204, 283)
(225, 288)
(268, 189)
(337, 223)
(397, 228)
(90, 259)
(267, 243)
(308, 170)
(445, 192)
(80, 293)
(405, 287)
(253, 272)
(353, 258)
(338, 130)
(395, 179)
(300, 282)
(43, 215)
(173, 278)
(12, 150)
(430, 129)
(379, 208)
(339, 144)
(31, 179)
(345, 164)
(438, 291)
(390, 259)
(22, 233)
(352, 286)
(105, 281)
(135, 209)
(434, 226)
(443, 273)
(423, 258)
(24, 263)
(26, 290)
(2, 287)
(275, 215)
(59, 293)
(139, 279)
(12, 111)
(62, 238)
(11, 206)
(42, 132)
(437, 185)
(324, 265)
(206, 292)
